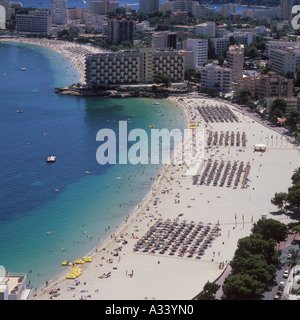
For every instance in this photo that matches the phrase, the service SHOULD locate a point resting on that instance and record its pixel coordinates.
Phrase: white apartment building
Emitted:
(2, 16)
(216, 78)
(278, 44)
(206, 29)
(200, 49)
(59, 11)
(241, 37)
(220, 44)
(284, 60)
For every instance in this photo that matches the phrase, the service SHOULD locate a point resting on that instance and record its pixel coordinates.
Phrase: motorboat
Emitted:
(155, 103)
(51, 159)
(23, 69)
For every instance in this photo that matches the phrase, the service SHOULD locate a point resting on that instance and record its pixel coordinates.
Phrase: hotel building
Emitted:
(228, 9)
(59, 11)
(220, 44)
(102, 7)
(206, 29)
(200, 49)
(164, 40)
(283, 61)
(36, 22)
(235, 60)
(272, 85)
(133, 67)
(147, 6)
(120, 30)
(250, 83)
(216, 77)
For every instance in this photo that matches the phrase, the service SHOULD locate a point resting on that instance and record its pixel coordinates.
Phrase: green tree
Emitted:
(270, 229)
(162, 78)
(293, 119)
(244, 96)
(209, 291)
(221, 60)
(257, 267)
(256, 244)
(279, 200)
(278, 109)
(242, 287)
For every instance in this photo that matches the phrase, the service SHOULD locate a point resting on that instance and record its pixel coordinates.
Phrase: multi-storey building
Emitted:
(272, 85)
(2, 16)
(248, 82)
(206, 29)
(228, 9)
(102, 7)
(279, 44)
(283, 61)
(132, 67)
(216, 78)
(112, 68)
(190, 6)
(180, 16)
(37, 22)
(200, 49)
(59, 11)
(235, 60)
(220, 44)
(164, 40)
(241, 37)
(287, 6)
(270, 12)
(120, 30)
(189, 59)
(147, 6)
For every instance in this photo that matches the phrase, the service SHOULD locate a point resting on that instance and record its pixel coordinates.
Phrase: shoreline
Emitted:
(76, 53)
(160, 276)
(133, 214)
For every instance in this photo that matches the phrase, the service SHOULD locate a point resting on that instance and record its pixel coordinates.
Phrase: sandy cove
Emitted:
(76, 53)
(137, 275)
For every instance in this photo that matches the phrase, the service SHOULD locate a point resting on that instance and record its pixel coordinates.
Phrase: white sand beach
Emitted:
(117, 272)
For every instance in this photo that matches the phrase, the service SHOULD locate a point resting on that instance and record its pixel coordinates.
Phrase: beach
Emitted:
(200, 222)
(76, 53)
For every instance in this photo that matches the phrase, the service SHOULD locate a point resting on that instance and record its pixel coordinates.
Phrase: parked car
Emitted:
(281, 286)
(286, 272)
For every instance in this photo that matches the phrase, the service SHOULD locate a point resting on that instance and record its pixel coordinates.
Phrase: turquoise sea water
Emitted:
(68, 205)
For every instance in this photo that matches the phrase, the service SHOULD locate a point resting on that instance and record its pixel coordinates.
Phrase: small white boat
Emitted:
(51, 159)
(23, 69)
(155, 103)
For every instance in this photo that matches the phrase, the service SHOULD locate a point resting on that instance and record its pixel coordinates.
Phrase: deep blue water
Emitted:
(75, 199)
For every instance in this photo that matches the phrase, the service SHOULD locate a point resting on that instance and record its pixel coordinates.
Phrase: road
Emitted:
(285, 246)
